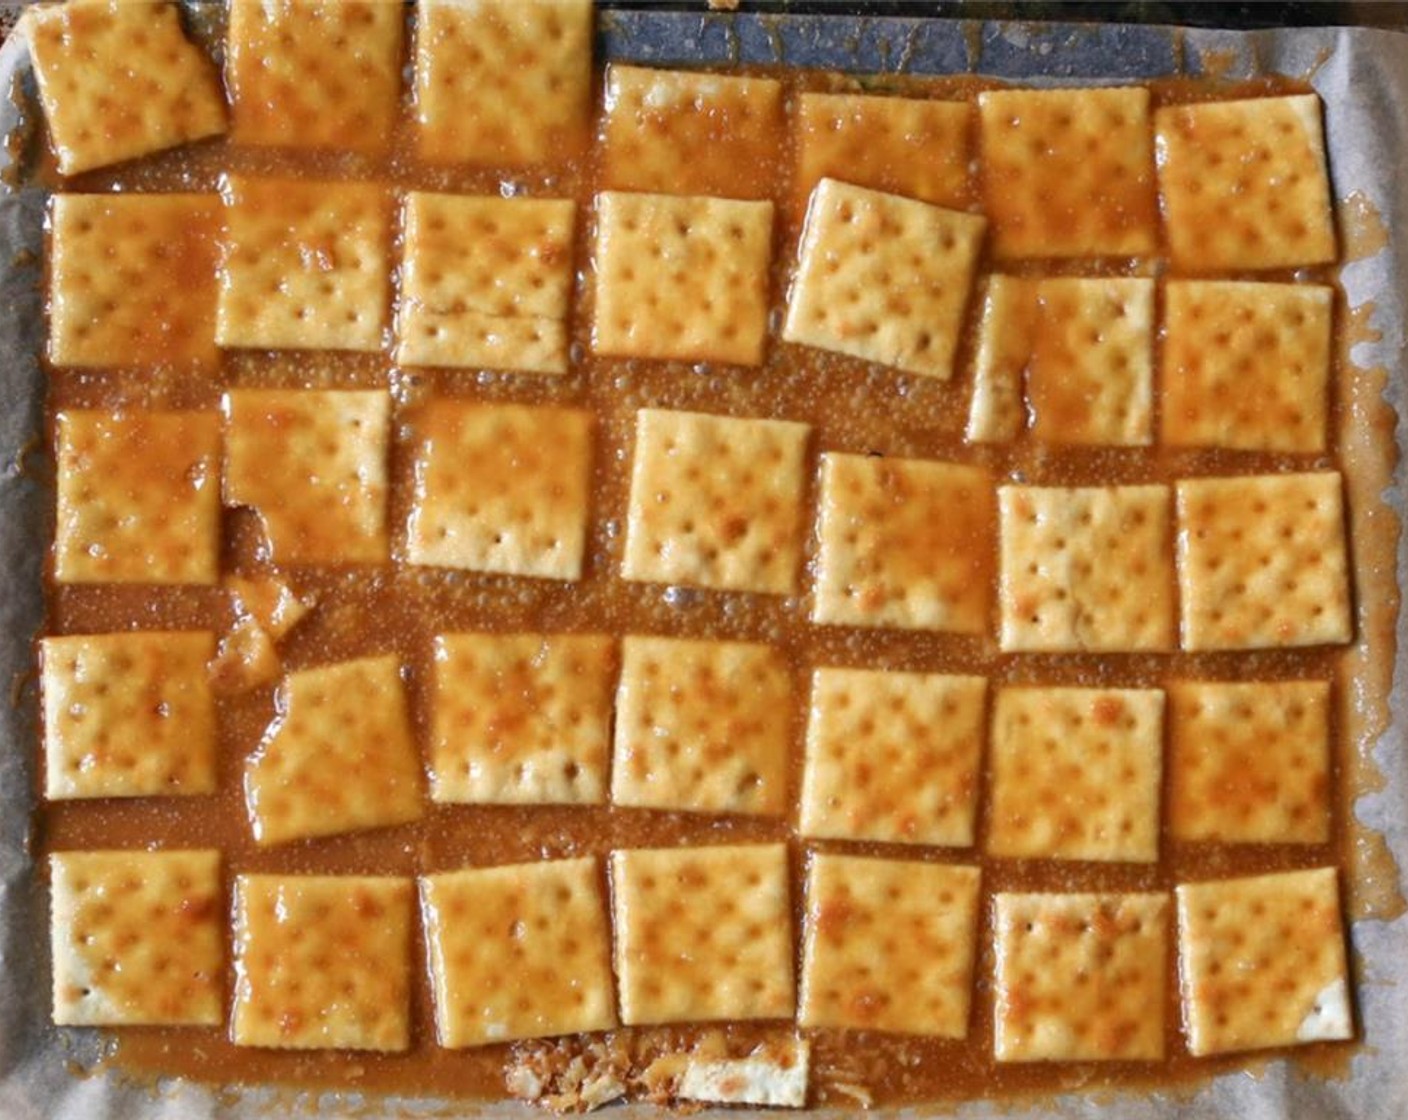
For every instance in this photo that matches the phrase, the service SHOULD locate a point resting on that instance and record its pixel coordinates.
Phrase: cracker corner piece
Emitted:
(893, 757)
(1262, 962)
(313, 464)
(703, 934)
(904, 543)
(315, 75)
(702, 726)
(1069, 172)
(1080, 977)
(716, 501)
(1076, 774)
(1085, 568)
(322, 962)
(1245, 183)
(1249, 762)
(775, 1074)
(486, 282)
(128, 714)
(502, 488)
(521, 719)
(889, 945)
(883, 278)
(1262, 561)
(307, 266)
(503, 83)
(518, 951)
(340, 756)
(132, 278)
(682, 278)
(1246, 365)
(121, 80)
(137, 938)
(138, 497)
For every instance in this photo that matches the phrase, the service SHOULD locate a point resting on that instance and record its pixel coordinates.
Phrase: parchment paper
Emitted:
(1363, 78)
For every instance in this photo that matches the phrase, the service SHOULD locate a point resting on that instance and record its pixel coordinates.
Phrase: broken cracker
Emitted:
(773, 1076)
(1006, 332)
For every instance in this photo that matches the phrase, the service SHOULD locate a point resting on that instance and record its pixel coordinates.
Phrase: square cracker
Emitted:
(1006, 333)
(132, 279)
(906, 543)
(1249, 762)
(716, 501)
(1261, 561)
(486, 282)
(883, 278)
(893, 757)
(1091, 379)
(1076, 774)
(322, 962)
(1262, 962)
(683, 278)
(888, 945)
(138, 500)
(119, 79)
(307, 266)
(703, 934)
(503, 83)
(521, 719)
(683, 132)
(502, 488)
(138, 938)
(313, 464)
(315, 73)
(522, 951)
(1080, 977)
(702, 727)
(128, 715)
(1245, 184)
(1246, 366)
(1069, 172)
(1085, 568)
(339, 757)
(909, 146)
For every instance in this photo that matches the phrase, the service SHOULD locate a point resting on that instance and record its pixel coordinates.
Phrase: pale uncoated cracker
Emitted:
(502, 488)
(1261, 561)
(322, 962)
(519, 951)
(338, 757)
(120, 80)
(138, 497)
(1085, 568)
(1068, 172)
(313, 464)
(486, 282)
(1262, 962)
(883, 278)
(1249, 762)
(681, 278)
(1080, 977)
(893, 757)
(702, 726)
(132, 279)
(716, 501)
(905, 543)
(1245, 184)
(128, 714)
(307, 265)
(503, 83)
(522, 719)
(1006, 331)
(1246, 366)
(137, 938)
(703, 934)
(315, 73)
(1075, 774)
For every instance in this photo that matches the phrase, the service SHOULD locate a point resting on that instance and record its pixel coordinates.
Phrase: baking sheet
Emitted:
(1362, 76)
